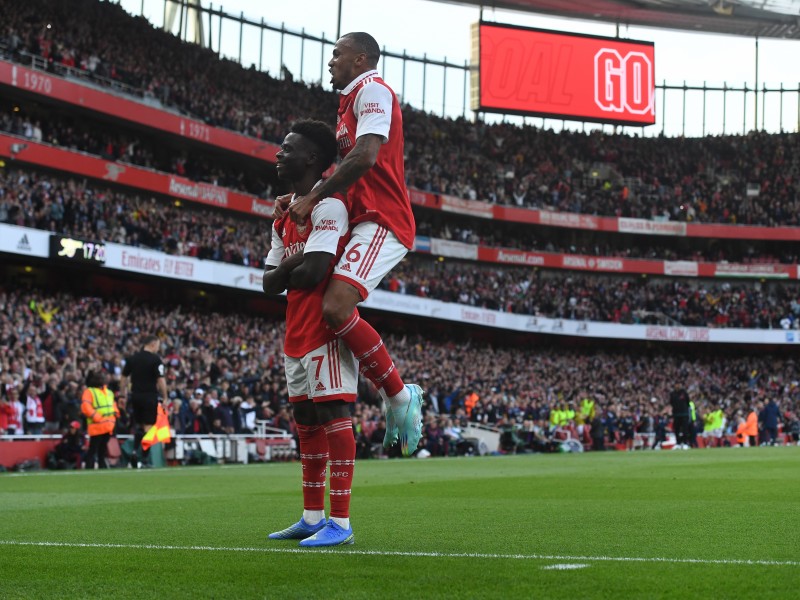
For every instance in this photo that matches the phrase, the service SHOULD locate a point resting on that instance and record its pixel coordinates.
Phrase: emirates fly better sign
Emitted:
(524, 71)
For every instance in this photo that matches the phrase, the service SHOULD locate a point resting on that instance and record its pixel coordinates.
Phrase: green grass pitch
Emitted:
(701, 524)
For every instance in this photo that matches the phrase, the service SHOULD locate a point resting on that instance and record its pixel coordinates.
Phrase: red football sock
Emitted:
(314, 460)
(367, 346)
(342, 446)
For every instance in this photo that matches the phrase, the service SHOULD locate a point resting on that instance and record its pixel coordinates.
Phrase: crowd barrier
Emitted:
(265, 444)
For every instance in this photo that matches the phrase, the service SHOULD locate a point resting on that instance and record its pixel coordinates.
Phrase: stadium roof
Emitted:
(762, 18)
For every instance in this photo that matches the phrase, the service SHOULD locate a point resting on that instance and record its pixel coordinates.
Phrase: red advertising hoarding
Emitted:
(556, 74)
(75, 93)
(21, 150)
(613, 224)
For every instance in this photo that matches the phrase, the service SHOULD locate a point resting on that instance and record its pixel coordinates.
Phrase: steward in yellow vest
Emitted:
(100, 410)
(587, 410)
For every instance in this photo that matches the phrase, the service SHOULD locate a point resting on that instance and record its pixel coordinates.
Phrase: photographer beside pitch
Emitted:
(321, 373)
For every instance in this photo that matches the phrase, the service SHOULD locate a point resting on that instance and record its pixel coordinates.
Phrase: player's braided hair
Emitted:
(322, 136)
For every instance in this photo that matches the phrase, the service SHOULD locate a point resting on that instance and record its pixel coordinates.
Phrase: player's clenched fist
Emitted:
(281, 202)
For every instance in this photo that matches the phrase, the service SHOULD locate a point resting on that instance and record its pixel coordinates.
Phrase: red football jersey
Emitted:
(368, 105)
(326, 231)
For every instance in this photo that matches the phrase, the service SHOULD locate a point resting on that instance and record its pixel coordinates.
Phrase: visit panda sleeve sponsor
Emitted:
(329, 221)
(373, 108)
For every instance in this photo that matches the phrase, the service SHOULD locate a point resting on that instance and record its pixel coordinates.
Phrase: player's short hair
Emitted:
(149, 339)
(364, 42)
(322, 136)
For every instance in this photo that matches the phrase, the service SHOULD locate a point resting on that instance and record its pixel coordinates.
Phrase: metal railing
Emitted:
(266, 442)
(442, 86)
(90, 78)
(696, 102)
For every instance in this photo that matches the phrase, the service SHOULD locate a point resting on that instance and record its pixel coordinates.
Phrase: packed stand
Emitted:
(41, 125)
(702, 180)
(447, 226)
(78, 208)
(605, 298)
(106, 44)
(225, 371)
(678, 179)
(75, 208)
(521, 236)
(24, 193)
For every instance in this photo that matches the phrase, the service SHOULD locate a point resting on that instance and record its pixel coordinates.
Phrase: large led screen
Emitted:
(554, 74)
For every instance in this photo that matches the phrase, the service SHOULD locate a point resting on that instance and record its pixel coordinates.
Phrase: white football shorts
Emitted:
(328, 373)
(370, 254)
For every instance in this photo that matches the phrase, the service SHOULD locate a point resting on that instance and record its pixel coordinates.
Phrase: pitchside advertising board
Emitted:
(556, 74)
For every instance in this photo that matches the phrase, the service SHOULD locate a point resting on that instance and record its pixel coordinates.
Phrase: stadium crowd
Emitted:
(616, 299)
(704, 180)
(76, 135)
(430, 223)
(225, 370)
(678, 179)
(41, 125)
(77, 208)
(519, 236)
(106, 44)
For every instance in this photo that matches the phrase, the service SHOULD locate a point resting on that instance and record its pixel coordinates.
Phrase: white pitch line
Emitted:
(696, 561)
(120, 471)
(564, 566)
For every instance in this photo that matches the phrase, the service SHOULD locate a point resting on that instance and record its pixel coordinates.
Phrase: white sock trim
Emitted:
(343, 523)
(400, 400)
(312, 517)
